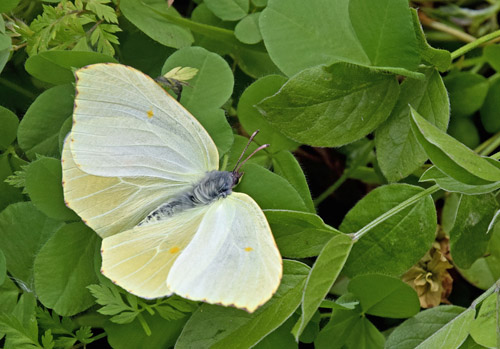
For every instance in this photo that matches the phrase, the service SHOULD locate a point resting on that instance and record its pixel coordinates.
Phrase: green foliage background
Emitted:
(352, 90)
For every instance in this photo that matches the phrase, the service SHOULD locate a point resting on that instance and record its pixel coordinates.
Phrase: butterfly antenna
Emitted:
(263, 146)
(246, 147)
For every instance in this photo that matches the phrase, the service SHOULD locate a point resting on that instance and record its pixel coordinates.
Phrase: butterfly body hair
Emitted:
(215, 185)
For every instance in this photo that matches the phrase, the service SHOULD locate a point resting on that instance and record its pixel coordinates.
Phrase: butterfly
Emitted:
(142, 172)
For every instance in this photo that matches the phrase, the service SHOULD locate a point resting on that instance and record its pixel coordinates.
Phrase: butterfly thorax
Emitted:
(215, 185)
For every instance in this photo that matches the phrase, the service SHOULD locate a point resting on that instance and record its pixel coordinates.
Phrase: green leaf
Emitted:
(484, 328)
(450, 184)
(280, 338)
(23, 231)
(39, 129)
(492, 55)
(21, 326)
(247, 30)
(48, 340)
(287, 166)
(467, 92)
(441, 59)
(465, 131)
(8, 5)
(154, 25)
(56, 67)
(485, 271)
(301, 34)
(269, 190)
(252, 120)
(5, 47)
(57, 325)
(331, 106)
(384, 296)
(228, 10)
(43, 184)
(468, 237)
(10, 194)
(323, 274)
(452, 157)
(349, 328)
(218, 327)
(398, 152)
(110, 298)
(9, 122)
(491, 105)
(131, 336)
(64, 267)
(395, 245)
(9, 294)
(207, 91)
(299, 234)
(445, 326)
(3, 268)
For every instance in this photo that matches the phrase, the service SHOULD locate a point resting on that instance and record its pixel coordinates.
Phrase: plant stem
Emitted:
(445, 28)
(489, 145)
(331, 189)
(407, 203)
(472, 45)
(17, 88)
(144, 324)
(478, 300)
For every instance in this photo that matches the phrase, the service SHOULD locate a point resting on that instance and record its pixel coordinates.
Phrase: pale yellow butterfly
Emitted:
(141, 171)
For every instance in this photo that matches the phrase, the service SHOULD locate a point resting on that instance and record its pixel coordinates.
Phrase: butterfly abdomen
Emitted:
(215, 185)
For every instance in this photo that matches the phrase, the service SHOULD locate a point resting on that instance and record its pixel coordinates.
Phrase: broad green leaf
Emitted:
(154, 25)
(132, 335)
(349, 328)
(43, 184)
(9, 122)
(64, 267)
(270, 190)
(218, 327)
(441, 59)
(492, 55)
(287, 166)
(64, 131)
(254, 60)
(468, 237)
(299, 234)
(452, 157)
(56, 67)
(331, 105)
(259, 3)
(281, 337)
(397, 243)
(384, 296)
(5, 47)
(465, 131)
(9, 193)
(398, 152)
(491, 105)
(228, 10)
(23, 231)
(469, 343)
(485, 271)
(3, 268)
(38, 131)
(484, 328)
(201, 14)
(8, 5)
(247, 30)
(207, 91)
(444, 327)
(9, 294)
(467, 92)
(301, 34)
(323, 274)
(452, 185)
(251, 119)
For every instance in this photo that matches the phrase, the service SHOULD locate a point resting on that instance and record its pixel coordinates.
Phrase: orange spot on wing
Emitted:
(174, 249)
(248, 249)
(150, 114)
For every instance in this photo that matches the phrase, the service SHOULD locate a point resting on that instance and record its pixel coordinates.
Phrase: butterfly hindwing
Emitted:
(232, 259)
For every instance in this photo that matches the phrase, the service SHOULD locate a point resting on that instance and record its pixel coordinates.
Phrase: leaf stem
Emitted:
(472, 45)
(445, 28)
(489, 145)
(331, 189)
(144, 324)
(407, 203)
